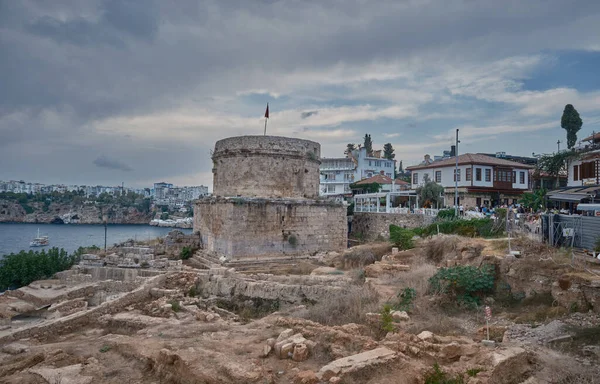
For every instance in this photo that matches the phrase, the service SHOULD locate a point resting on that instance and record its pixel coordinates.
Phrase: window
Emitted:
(331, 188)
(576, 172)
(378, 163)
(514, 177)
(503, 176)
(588, 170)
(438, 176)
(457, 175)
(369, 163)
(415, 178)
(478, 201)
(488, 175)
(468, 174)
(478, 174)
(522, 177)
(389, 175)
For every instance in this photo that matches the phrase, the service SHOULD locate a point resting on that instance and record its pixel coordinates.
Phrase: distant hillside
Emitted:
(72, 208)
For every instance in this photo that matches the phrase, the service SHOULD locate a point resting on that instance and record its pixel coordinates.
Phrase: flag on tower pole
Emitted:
(266, 118)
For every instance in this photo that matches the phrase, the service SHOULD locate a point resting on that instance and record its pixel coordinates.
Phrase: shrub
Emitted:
(438, 376)
(175, 306)
(446, 214)
(465, 283)
(23, 268)
(386, 319)
(470, 228)
(406, 298)
(401, 237)
(359, 276)
(193, 291)
(293, 240)
(105, 348)
(186, 253)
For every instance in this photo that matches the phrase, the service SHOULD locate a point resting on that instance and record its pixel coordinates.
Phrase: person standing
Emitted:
(461, 209)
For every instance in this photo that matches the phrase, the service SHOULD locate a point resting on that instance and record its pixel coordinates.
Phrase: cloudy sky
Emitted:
(111, 91)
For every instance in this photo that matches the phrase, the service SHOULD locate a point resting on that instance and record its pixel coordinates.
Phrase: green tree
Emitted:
(572, 123)
(430, 194)
(534, 200)
(554, 165)
(388, 151)
(349, 148)
(368, 144)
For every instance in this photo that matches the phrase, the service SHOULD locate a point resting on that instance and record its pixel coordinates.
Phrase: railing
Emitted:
(405, 211)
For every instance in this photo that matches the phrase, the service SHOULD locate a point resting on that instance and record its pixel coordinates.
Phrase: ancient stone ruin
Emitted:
(265, 201)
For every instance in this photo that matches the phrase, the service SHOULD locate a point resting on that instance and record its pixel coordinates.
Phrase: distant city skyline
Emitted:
(104, 92)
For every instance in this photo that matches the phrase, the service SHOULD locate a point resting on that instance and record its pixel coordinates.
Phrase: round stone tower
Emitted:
(266, 166)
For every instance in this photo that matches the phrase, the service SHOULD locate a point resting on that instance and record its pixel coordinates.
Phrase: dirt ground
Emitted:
(224, 327)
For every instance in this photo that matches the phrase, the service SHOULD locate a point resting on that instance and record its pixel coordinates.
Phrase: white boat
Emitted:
(40, 241)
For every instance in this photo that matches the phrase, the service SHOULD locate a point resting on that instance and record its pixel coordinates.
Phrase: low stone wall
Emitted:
(83, 318)
(175, 241)
(287, 289)
(247, 227)
(372, 225)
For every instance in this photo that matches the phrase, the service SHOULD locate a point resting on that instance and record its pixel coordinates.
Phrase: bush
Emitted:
(406, 298)
(437, 376)
(464, 283)
(401, 237)
(23, 268)
(446, 214)
(386, 319)
(175, 306)
(186, 253)
(470, 228)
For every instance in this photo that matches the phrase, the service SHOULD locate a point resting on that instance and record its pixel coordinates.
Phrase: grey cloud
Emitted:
(306, 114)
(105, 162)
(109, 58)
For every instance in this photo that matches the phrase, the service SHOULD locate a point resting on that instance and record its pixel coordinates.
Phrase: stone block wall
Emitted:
(266, 166)
(373, 225)
(246, 227)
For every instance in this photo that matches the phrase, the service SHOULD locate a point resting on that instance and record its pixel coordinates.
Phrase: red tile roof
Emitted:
(593, 137)
(471, 158)
(381, 179)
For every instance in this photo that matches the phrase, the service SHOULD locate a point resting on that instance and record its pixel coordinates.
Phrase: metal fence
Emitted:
(570, 230)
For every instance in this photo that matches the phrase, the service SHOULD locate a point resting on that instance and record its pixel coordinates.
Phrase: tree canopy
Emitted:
(349, 148)
(388, 151)
(430, 194)
(555, 164)
(534, 200)
(368, 144)
(571, 122)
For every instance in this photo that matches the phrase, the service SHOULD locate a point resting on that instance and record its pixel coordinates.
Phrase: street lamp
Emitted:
(456, 177)
(105, 220)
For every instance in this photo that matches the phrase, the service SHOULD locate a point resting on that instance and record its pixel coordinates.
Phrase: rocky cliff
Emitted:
(91, 213)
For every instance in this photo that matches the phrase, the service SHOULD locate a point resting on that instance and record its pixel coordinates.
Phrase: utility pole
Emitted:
(558, 143)
(456, 178)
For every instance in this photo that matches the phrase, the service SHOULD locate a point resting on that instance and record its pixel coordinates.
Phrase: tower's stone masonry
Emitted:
(266, 166)
(264, 203)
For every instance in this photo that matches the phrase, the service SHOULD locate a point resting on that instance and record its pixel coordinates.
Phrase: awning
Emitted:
(573, 194)
(588, 207)
(568, 197)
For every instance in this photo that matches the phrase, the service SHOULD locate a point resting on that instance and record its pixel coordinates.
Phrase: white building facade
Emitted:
(338, 173)
(482, 180)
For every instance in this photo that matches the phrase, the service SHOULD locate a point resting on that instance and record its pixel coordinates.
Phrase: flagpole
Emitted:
(266, 118)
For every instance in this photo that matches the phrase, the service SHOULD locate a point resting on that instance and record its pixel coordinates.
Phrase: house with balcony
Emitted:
(583, 176)
(482, 180)
(336, 174)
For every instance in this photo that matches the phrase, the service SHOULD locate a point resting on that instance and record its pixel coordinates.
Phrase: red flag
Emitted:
(267, 111)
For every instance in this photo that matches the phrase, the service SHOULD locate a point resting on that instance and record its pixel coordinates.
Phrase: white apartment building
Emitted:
(482, 180)
(338, 173)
